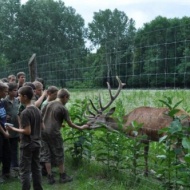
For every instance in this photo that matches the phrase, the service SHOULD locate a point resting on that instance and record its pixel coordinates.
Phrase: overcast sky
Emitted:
(142, 11)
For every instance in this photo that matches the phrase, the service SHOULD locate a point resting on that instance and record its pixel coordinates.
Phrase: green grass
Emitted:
(132, 99)
(91, 176)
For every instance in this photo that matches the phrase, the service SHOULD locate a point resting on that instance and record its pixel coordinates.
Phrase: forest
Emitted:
(72, 54)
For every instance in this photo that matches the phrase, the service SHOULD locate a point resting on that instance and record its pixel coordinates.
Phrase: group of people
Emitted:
(31, 118)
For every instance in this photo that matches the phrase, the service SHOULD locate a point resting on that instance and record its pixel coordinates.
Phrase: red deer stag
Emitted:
(153, 119)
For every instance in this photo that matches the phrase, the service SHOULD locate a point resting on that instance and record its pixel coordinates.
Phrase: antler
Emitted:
(92, 114)
(103, 108)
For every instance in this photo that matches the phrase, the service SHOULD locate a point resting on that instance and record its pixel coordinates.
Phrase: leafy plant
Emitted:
(177, 144)
(78, 142)
(135, 146)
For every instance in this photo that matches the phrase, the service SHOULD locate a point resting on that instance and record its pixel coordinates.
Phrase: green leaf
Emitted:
(163, 130)
(102, 154)
(173, 112)
(177, 104)
(165, 103)
(187, 158)
(161, 156)
(163, 138)
(179, 182)
(175, 127)
(101, 159)
(186, 143)
(178, 150)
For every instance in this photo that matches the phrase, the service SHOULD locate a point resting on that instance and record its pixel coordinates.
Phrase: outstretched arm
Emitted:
(25, 131)
(71, 124)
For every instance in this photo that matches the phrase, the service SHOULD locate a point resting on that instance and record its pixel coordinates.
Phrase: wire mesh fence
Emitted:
(154, 65)
(163, 64)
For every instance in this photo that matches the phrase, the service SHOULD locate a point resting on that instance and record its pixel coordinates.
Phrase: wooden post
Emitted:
(32, 67)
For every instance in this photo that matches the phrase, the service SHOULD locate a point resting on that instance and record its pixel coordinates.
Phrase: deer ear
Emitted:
(111, 111)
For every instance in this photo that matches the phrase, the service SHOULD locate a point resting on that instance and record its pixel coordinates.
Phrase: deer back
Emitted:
(152, 119)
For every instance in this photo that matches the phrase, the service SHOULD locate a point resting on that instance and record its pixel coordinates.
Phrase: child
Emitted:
(11, 106)
(21, 106)
(51, 95)
(30, 129)
(5, 151)
(12, 78)
(54, 113)
(21, 77)
(40, 95)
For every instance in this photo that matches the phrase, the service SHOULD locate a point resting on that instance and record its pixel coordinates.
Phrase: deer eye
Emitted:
(97, 116)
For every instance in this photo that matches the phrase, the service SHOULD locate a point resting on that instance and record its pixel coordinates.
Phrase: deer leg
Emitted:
(146, 149)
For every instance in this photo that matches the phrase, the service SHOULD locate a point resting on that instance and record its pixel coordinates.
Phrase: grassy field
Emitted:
(93, 175)
(135, 98)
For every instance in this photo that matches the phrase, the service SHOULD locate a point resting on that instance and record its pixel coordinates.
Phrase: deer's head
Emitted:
(99, 118)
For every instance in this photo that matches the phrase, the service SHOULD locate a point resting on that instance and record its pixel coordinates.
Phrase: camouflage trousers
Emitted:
(30, 163)
(52, 150)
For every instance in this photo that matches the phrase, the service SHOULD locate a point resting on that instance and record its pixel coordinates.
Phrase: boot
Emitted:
(43, 170)
(64, 178)
(1, 180)
(50, 179)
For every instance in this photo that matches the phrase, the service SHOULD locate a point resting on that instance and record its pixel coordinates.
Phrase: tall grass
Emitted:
(136, 98)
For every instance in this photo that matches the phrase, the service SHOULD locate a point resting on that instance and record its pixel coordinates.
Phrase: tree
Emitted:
(160, 45)
(112, 32)
(49, 26)
(9, 46)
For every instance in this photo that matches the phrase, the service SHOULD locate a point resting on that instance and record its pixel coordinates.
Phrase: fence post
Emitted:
(32, 67)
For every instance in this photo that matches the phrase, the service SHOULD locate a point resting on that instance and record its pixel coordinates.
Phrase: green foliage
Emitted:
(156, 46)
(79, 145)
(113, 32)
(79, 142)
(41, 27)
(172, 109)
(111, 150)
(9, 43)
(177, 144)
(79, 84)
(135, 146)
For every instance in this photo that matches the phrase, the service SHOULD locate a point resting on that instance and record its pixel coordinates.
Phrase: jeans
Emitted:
(5, 154)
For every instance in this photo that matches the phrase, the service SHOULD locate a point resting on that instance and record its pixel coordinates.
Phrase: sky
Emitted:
(142, 11)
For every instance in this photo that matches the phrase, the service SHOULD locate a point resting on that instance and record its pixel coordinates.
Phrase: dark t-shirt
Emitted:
(54, 113)
(31, 116)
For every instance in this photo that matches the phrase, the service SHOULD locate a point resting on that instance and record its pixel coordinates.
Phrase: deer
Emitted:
(153, 119)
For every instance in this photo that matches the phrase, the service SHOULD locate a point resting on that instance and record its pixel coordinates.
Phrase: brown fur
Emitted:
(153, 119)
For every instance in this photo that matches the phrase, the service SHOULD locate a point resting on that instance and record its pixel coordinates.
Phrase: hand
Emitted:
(44, 93)
(85, 126)
(9, 128)
(6, 134)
